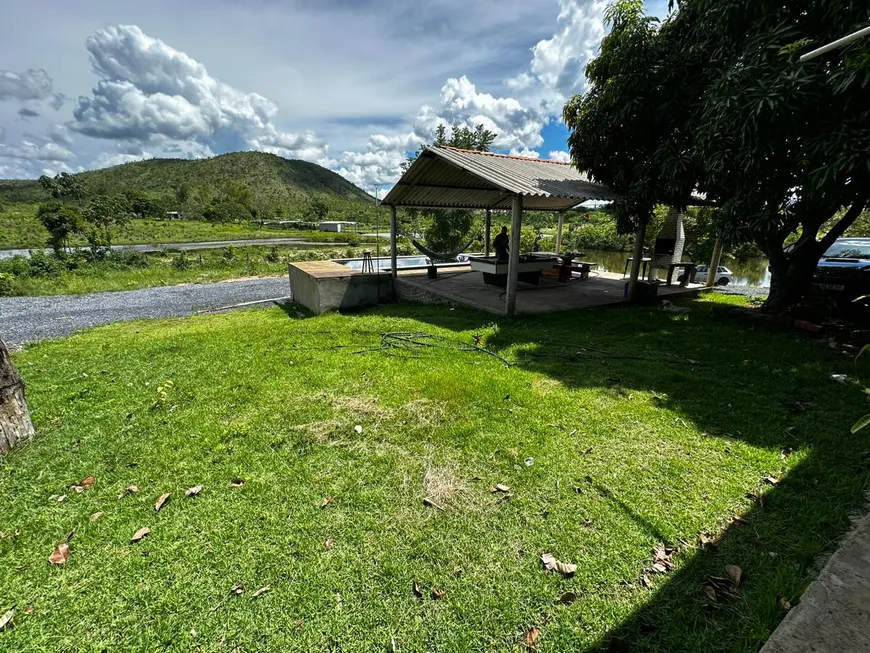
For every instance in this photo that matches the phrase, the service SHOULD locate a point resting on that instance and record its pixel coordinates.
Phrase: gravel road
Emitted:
(28, 319)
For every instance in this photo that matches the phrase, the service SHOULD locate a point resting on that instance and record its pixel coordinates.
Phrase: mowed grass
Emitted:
(615, 429)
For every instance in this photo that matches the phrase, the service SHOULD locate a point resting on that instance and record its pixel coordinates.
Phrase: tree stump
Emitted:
(15, 424)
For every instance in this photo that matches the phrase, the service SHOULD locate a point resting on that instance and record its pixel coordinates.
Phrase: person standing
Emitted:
(501, 243)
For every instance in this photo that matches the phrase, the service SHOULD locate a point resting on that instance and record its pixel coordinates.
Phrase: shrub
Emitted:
(273, 256)
(7, 284)
(44, 265)
(181, 262)
(228, 253)
(354, 240)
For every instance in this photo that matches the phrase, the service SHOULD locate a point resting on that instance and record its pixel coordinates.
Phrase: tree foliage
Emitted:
(63, 186)
(61, 221)
(715, 99)
(445, 230)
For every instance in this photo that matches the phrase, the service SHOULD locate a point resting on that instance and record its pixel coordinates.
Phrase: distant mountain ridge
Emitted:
(273, 179)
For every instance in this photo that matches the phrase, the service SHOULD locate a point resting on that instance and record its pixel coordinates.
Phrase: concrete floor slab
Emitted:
(464, 286)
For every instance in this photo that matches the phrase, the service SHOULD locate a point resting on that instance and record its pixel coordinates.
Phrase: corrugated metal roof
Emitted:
(446, 177)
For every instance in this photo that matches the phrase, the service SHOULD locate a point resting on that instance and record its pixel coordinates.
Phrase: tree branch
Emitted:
(844, 223)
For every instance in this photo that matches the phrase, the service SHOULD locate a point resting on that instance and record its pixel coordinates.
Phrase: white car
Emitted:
(723, 275)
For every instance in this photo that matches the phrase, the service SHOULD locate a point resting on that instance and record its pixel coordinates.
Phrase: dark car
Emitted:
(844, 270)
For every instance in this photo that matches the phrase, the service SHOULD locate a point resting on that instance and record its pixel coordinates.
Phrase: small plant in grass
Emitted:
(273, 256)
(163, 391)
(7, 283)
(228, 253)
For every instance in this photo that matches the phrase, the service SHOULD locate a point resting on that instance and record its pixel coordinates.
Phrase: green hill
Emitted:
(273, 180)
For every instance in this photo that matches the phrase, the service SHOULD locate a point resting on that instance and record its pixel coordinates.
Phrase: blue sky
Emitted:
(350, 84)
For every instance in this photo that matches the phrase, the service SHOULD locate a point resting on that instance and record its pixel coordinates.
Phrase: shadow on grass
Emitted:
(770, 390)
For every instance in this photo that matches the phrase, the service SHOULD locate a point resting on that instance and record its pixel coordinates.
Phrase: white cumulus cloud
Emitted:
(29, 85)
(149, 91)
(32, 151)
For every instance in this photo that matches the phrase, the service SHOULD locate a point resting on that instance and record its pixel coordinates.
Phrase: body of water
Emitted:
(751, 272)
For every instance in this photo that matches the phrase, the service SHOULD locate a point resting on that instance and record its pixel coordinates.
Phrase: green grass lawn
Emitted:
(19, 229)
(615, 430)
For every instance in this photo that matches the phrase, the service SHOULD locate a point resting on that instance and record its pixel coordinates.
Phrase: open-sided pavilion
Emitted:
(450, 178)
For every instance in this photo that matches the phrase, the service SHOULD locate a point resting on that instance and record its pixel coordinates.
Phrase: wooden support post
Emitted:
(637, 255)
(15, 424)
(514, 255)
(559, 232)
(714, 262)
(487, 231)
(394, 247)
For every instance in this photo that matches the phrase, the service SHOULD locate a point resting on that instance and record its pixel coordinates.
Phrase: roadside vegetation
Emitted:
(358, 491)
(19, 229)
(81, 272)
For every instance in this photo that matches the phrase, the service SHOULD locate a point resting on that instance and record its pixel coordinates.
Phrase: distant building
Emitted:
(174, 215)
(337, 226)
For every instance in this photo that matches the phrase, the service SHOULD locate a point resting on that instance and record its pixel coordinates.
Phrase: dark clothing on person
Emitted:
(501, 243)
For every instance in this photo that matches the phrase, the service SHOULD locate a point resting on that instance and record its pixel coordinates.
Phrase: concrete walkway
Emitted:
(834, 612)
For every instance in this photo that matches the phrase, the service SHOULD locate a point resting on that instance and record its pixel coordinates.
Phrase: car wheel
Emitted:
(723, 281)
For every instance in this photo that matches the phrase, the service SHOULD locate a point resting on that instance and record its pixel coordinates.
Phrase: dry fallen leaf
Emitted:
(238, 589)
(710, 593)
(162, 501)
(532, 635)
(646, 581)
(6, 619)
(662, 559)
(735, 573)
(784, 602)
(96, 516)
(28, 609)
(737, 519)
(193, 491)
(237, 482)
(60, 554)
(138, 535)
(329, 543)
(260, 592)
(706, 539)
(130, 489)
(567, 598)
(551, 563)
(326, 501)
(417, 591)
(772, 480)
(437, 594)
(501, 487)
(78, 489)
(88, 482)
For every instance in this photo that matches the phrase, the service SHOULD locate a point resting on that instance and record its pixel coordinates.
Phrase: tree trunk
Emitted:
(790, 278)
(15, 425)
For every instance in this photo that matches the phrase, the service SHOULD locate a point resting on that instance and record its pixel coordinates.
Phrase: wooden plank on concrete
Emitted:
(324, 269)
